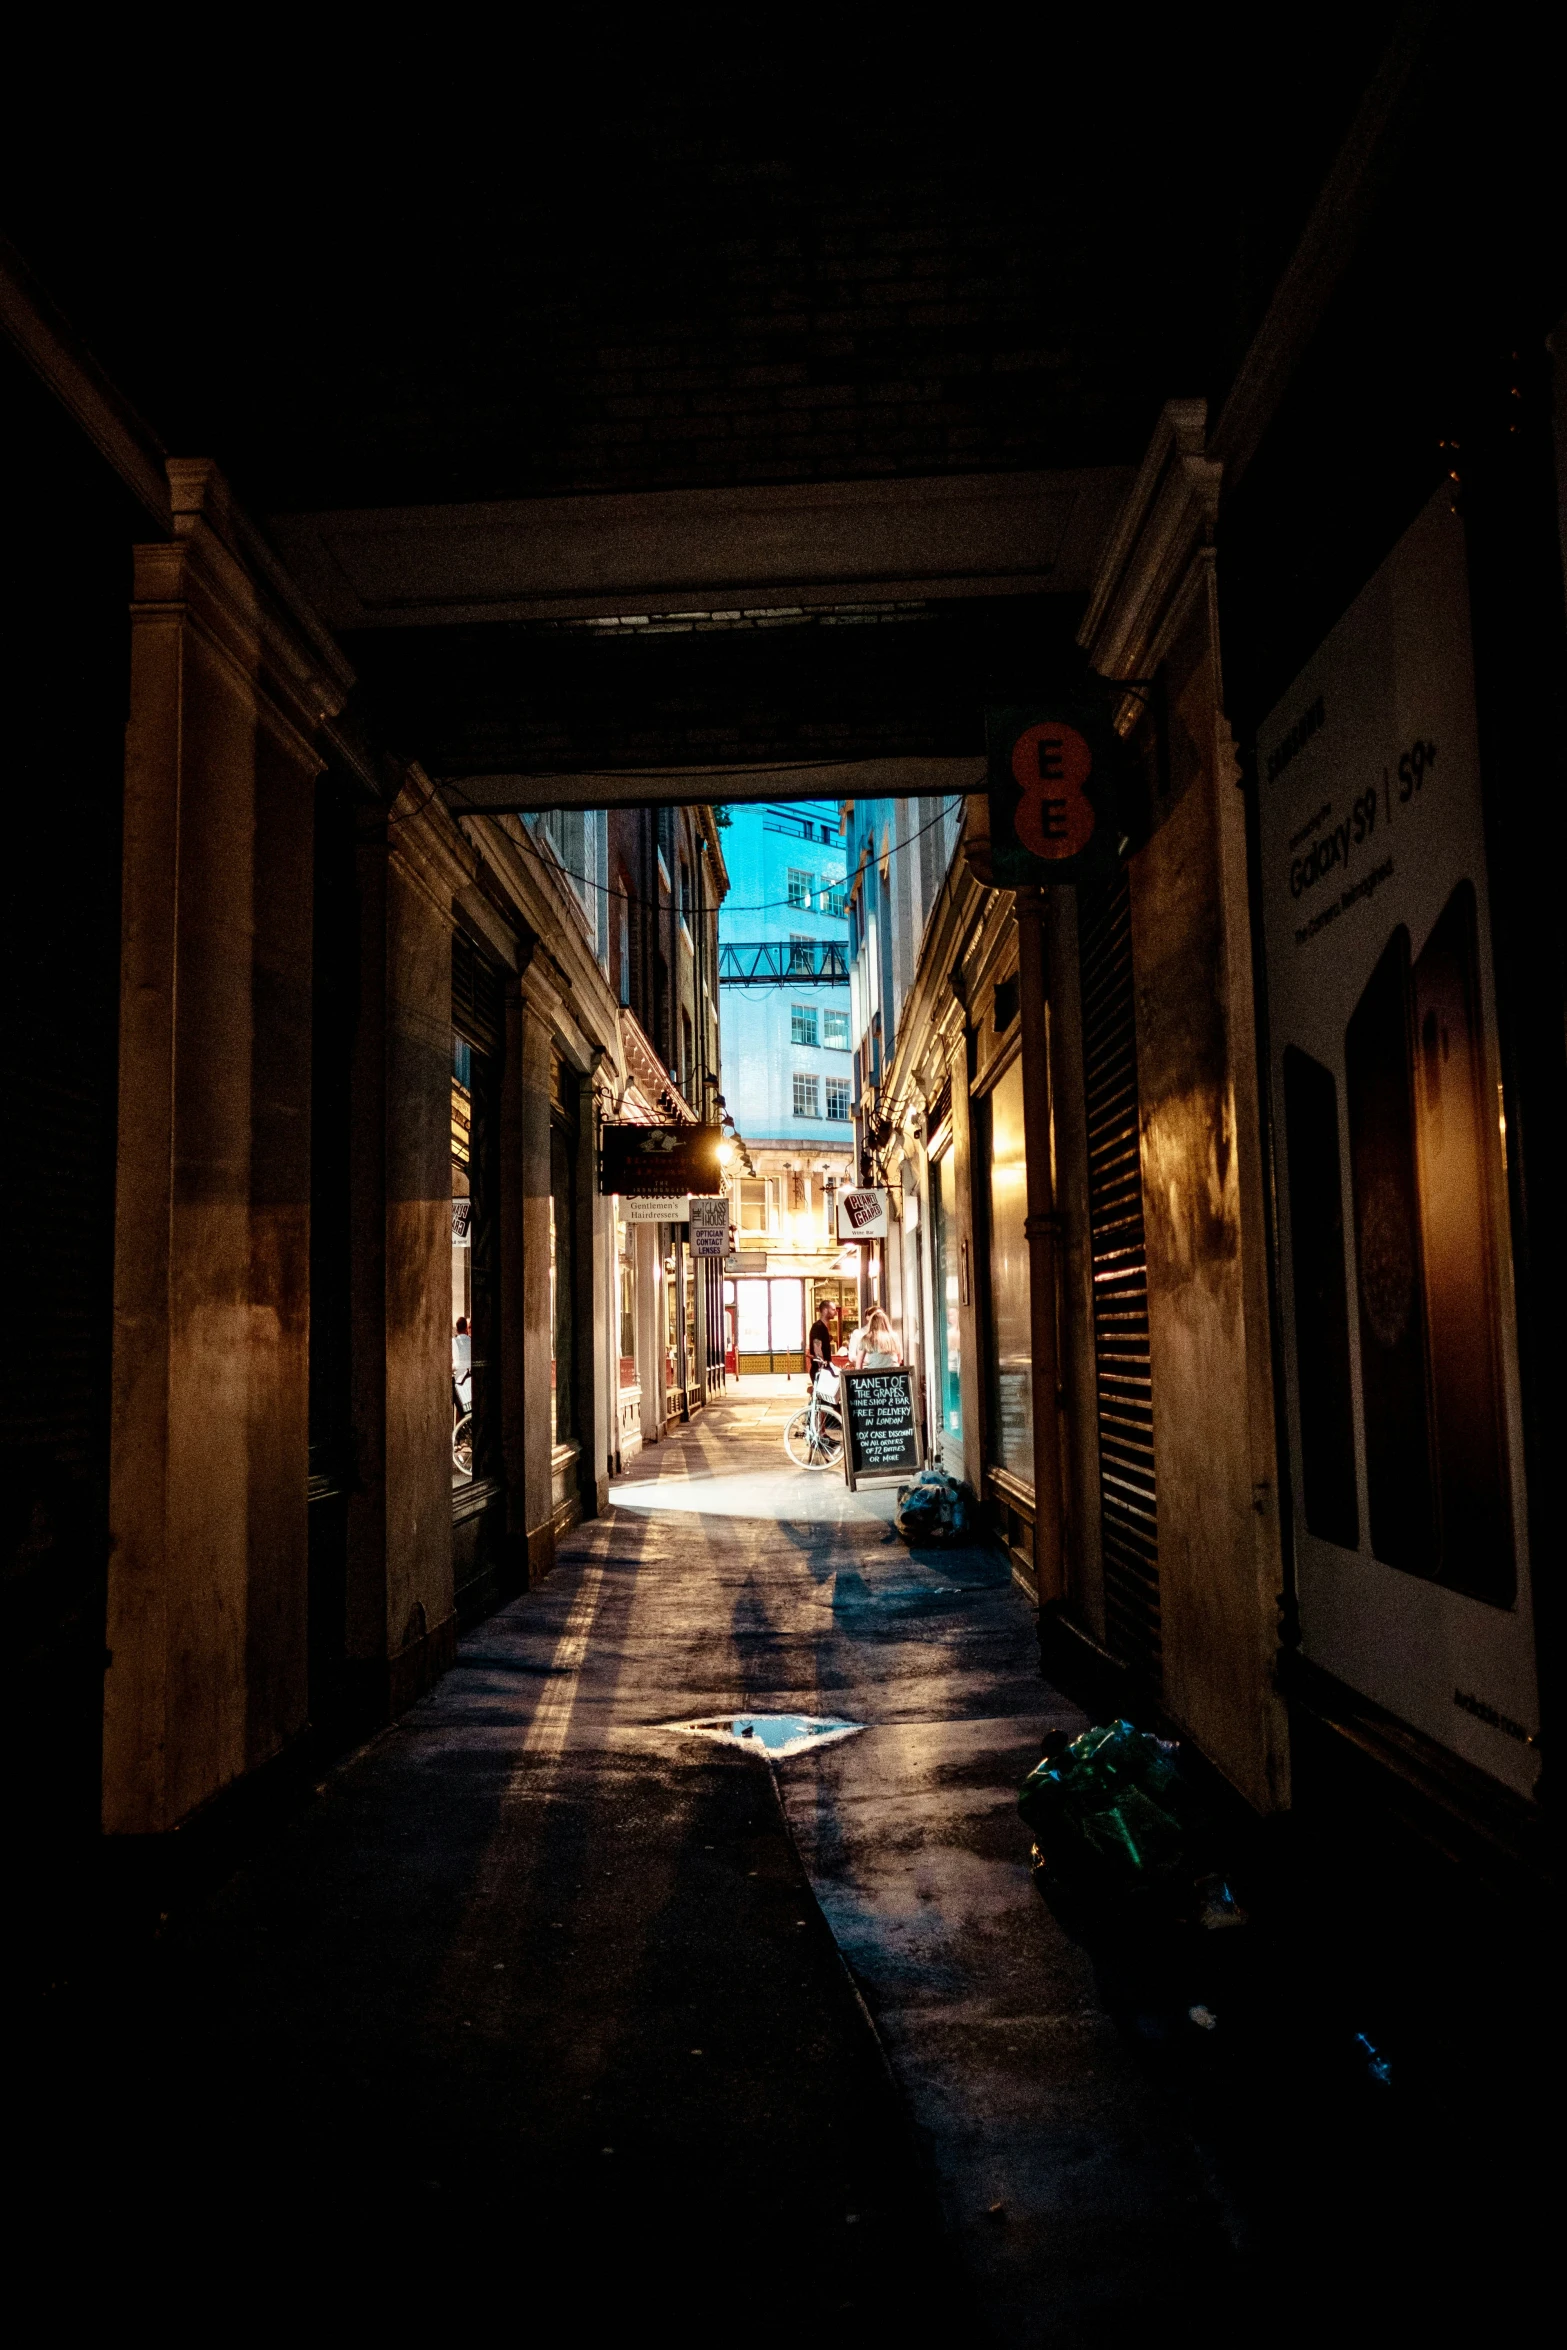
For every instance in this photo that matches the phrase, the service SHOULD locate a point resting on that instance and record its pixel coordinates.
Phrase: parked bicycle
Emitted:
(814, 1437)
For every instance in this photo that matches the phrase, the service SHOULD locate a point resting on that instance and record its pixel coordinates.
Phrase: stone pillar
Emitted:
(534, 1174)
(208, 1576)
(401, 1624)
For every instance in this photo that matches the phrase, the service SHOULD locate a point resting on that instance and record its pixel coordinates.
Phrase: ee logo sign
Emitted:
(1051, 804)
(1050, 765)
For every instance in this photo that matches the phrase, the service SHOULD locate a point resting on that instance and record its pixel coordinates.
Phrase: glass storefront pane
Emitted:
(788, 1316)
(944, 1265)
(628, 1307)
(1011, 1371)
(462, 1263)
(751, 1300)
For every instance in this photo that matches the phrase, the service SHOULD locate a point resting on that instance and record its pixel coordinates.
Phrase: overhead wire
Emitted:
(632, 898)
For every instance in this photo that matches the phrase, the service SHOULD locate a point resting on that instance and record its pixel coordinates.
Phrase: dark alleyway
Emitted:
(533, 1961)
(537, 1973)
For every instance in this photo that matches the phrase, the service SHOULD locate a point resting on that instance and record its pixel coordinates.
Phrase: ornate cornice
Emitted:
(1150, 574)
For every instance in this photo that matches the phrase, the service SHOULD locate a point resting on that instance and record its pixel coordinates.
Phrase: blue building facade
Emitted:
(788, 1047)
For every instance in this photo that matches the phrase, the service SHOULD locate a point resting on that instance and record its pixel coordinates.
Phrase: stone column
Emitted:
(401, 1626)
(208, 1577)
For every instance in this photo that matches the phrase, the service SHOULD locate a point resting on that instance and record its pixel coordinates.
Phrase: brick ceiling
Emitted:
(493, 279)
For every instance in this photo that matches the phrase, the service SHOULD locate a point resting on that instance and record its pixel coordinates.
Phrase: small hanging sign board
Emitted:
(1052, 794)
(709, 1225)
(657, 1210)
(881, 1432)
(862, 1215)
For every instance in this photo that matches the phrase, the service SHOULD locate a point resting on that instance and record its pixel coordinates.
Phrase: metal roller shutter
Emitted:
(1129, 1516)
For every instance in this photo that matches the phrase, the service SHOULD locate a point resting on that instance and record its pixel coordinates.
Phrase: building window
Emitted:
(835, 900)
(626, 1247)
(835, 1030)
(801, 885)
(802, 952)
(802, 1024)
(805, 1098)
(839, 1097)
(753, 1205)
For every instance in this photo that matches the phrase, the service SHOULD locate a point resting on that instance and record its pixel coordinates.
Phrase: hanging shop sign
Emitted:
(1052, 794)
(1400, 1353)
(881, 1435)
(709, 1221)
(862, 1215)
(656, 1210)
(462, 1223)
(650, 1161)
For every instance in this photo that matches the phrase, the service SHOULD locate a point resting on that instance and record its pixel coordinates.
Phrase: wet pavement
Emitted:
(672, 2008)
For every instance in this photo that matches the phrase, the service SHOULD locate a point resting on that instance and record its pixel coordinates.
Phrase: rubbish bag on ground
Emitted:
(935, 1508)
(1109, 1809)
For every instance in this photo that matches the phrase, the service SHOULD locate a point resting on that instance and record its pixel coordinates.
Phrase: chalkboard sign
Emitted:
(881, 1432)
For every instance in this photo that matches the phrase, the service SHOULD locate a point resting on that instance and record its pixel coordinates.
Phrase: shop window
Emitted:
(806, 1098)
(801, 886)
(478, 1027)
(462, 1261)
(945, 1280)
(563, 1315)
(835, 1031)
(839, 1098)
(1011, 1337)
(628, 1305)
(802, 1024)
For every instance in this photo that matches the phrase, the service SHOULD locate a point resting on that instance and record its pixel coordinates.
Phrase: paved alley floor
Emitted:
(666, 2028)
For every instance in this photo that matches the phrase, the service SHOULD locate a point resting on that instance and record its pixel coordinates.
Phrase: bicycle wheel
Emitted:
(818, 1449)
(462, 1446)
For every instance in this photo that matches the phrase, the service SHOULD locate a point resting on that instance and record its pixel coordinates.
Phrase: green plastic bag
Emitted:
(1109, 1807)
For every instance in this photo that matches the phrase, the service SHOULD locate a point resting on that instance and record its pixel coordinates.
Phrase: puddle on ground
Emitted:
(772, 1735)
(855, 1598)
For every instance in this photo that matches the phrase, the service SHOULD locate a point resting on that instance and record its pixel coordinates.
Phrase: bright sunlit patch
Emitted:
(772, 1735)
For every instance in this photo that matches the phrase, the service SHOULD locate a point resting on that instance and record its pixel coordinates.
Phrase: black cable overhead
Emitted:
(629, 897)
